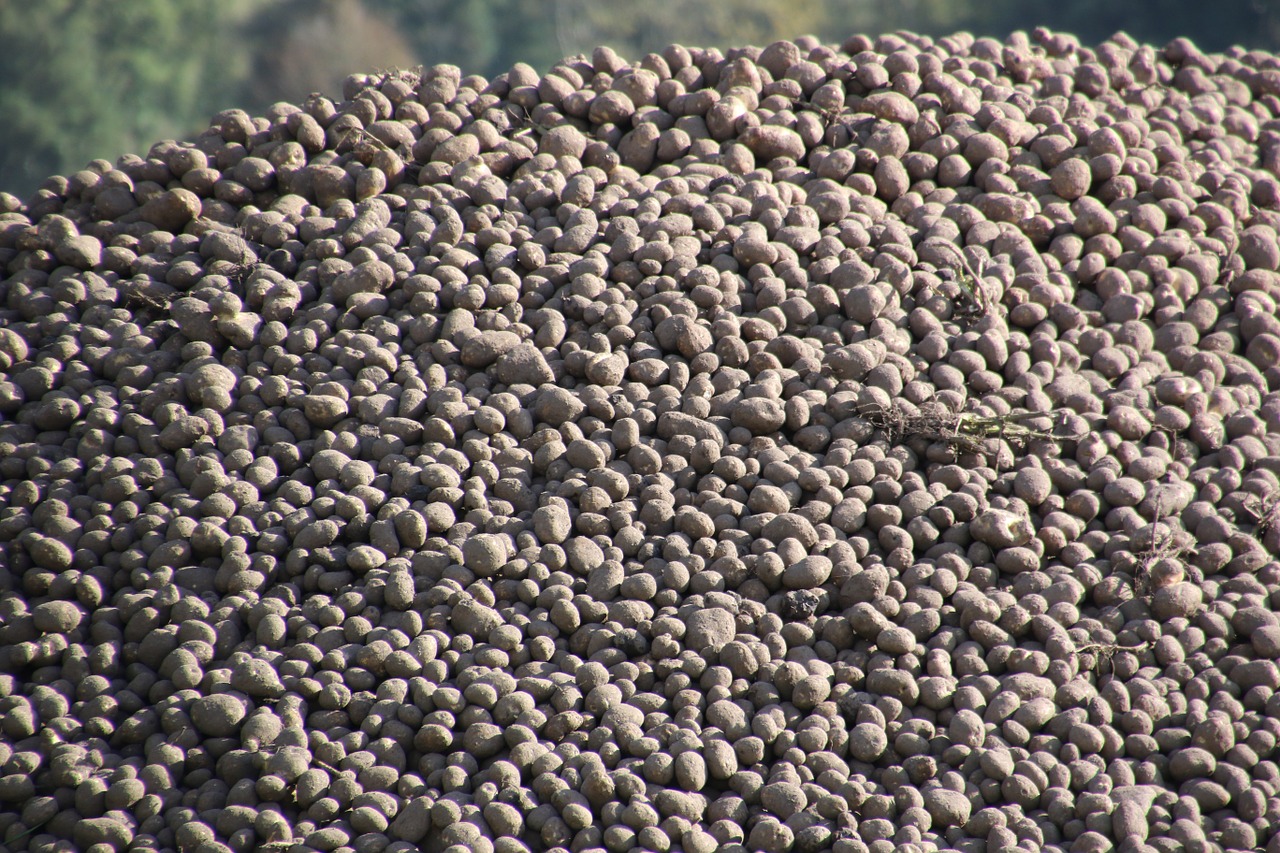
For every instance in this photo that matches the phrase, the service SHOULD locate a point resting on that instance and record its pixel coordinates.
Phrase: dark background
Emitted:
(84, 79)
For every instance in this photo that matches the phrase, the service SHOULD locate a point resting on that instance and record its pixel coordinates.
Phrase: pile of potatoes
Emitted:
(860, 447)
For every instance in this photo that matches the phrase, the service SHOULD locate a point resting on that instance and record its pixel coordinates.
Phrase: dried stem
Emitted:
(1107, 651)
(1163, 546)
(966, 432)
(1265, 512)
(978, 302)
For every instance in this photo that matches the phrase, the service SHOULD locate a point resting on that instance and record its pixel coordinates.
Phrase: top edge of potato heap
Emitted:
(802, 448)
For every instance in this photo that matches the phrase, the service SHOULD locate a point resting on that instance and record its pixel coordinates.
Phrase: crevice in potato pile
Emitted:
(861, 447)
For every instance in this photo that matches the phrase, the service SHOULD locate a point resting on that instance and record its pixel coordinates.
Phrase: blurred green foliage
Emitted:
(99, 78)
(85, 79)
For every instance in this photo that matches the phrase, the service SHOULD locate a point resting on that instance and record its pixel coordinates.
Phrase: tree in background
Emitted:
(95, 78)
(1213, 26)
(480, 36)
(304, 46)
(86, 79)
(634, 29)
